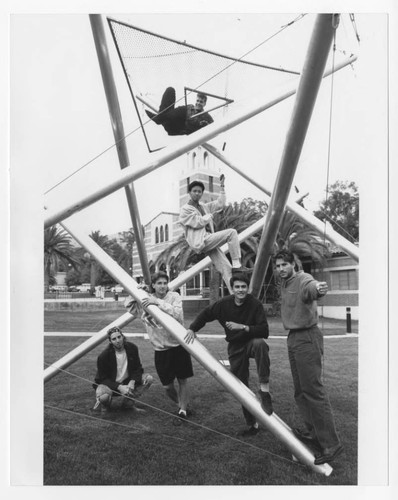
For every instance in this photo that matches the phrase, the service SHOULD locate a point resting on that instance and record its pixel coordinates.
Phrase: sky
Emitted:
(60, 123)
(55, 120)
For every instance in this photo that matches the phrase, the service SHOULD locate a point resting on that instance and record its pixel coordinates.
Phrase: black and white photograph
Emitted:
(199, 230)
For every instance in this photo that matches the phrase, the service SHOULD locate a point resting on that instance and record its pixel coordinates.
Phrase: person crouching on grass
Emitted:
(119, 372)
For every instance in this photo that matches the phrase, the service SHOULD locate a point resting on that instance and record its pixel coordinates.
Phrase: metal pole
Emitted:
(298, 210)
(308, 88)
(242, 393)
(165, 156)
(84, 348)
(118, 132)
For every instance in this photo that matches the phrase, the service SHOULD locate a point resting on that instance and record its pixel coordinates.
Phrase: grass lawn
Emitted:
(93, 321)
(130, 447)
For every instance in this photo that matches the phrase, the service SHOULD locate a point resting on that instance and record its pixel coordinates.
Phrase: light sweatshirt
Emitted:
(195, 223)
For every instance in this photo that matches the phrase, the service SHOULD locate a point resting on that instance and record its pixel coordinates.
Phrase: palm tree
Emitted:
(57, 249)
(95, 268)
(128, 240)
(305, 243)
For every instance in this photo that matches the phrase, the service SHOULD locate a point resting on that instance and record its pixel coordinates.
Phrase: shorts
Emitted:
(173, 363)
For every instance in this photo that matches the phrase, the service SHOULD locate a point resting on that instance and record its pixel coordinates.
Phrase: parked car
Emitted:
(117, 289)
(84, 287)
(73, 289)
(58, 288)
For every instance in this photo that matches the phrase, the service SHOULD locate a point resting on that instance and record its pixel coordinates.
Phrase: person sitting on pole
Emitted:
(245, 324)
(172, 361)
(197, 219)
(181, 120)
(119, 372)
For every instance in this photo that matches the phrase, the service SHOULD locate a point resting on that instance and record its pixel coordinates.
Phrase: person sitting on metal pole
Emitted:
(172, 361)
(197, 219)
(299, 292)
(119, 372)
(181, 120)
(243, 318)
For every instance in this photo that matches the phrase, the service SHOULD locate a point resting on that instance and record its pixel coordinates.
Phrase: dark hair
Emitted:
(285, 255)
(113, 330)
(239, 277)
(202, 96)
(195, 183)
(159, 274)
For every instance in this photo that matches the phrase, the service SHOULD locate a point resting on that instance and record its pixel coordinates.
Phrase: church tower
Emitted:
(200, 166)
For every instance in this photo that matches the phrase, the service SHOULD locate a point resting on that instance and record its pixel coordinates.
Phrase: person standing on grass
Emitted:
(243, 318)
(119, 371)
(172, 361)
(299, 292)
(197, 220)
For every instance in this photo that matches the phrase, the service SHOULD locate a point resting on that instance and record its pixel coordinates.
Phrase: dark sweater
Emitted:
(250, 313)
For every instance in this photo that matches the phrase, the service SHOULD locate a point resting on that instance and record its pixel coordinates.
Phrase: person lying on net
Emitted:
(181, 120)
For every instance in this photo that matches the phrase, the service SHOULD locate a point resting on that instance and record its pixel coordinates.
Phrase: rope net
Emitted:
(152, 63)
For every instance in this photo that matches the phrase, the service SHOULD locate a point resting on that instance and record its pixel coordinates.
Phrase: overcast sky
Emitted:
(60, 120)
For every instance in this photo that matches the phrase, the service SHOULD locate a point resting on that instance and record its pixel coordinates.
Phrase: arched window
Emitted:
(157, 235)
(211, 185)
(206, 159)
(161, 234)
(166, 232)
(194, 161)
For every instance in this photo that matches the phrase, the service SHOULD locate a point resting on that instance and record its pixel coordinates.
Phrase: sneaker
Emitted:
(266, 402)
(154, 117)
(328, 455)
(251, 431)
(180, 417)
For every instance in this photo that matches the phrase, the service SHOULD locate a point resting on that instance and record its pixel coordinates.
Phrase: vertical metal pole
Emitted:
(118, 132)
(309, 84)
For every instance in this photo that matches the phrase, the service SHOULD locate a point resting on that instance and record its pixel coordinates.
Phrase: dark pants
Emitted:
(305, 349)
(239, 358)
(172, 118)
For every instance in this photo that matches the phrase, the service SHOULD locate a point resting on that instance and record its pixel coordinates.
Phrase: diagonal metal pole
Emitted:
(242, 393)
(108, 80)
(84, 348)
(314, 65)
(160, 158)
(293, 207)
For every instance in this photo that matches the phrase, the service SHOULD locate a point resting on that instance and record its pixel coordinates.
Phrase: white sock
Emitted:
(182, 412)
(264, 387)
(236, 263)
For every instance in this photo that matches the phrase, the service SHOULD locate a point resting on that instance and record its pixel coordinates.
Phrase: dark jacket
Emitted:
(107, 368)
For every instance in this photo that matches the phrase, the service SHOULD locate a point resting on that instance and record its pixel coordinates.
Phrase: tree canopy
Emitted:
(341, 209)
